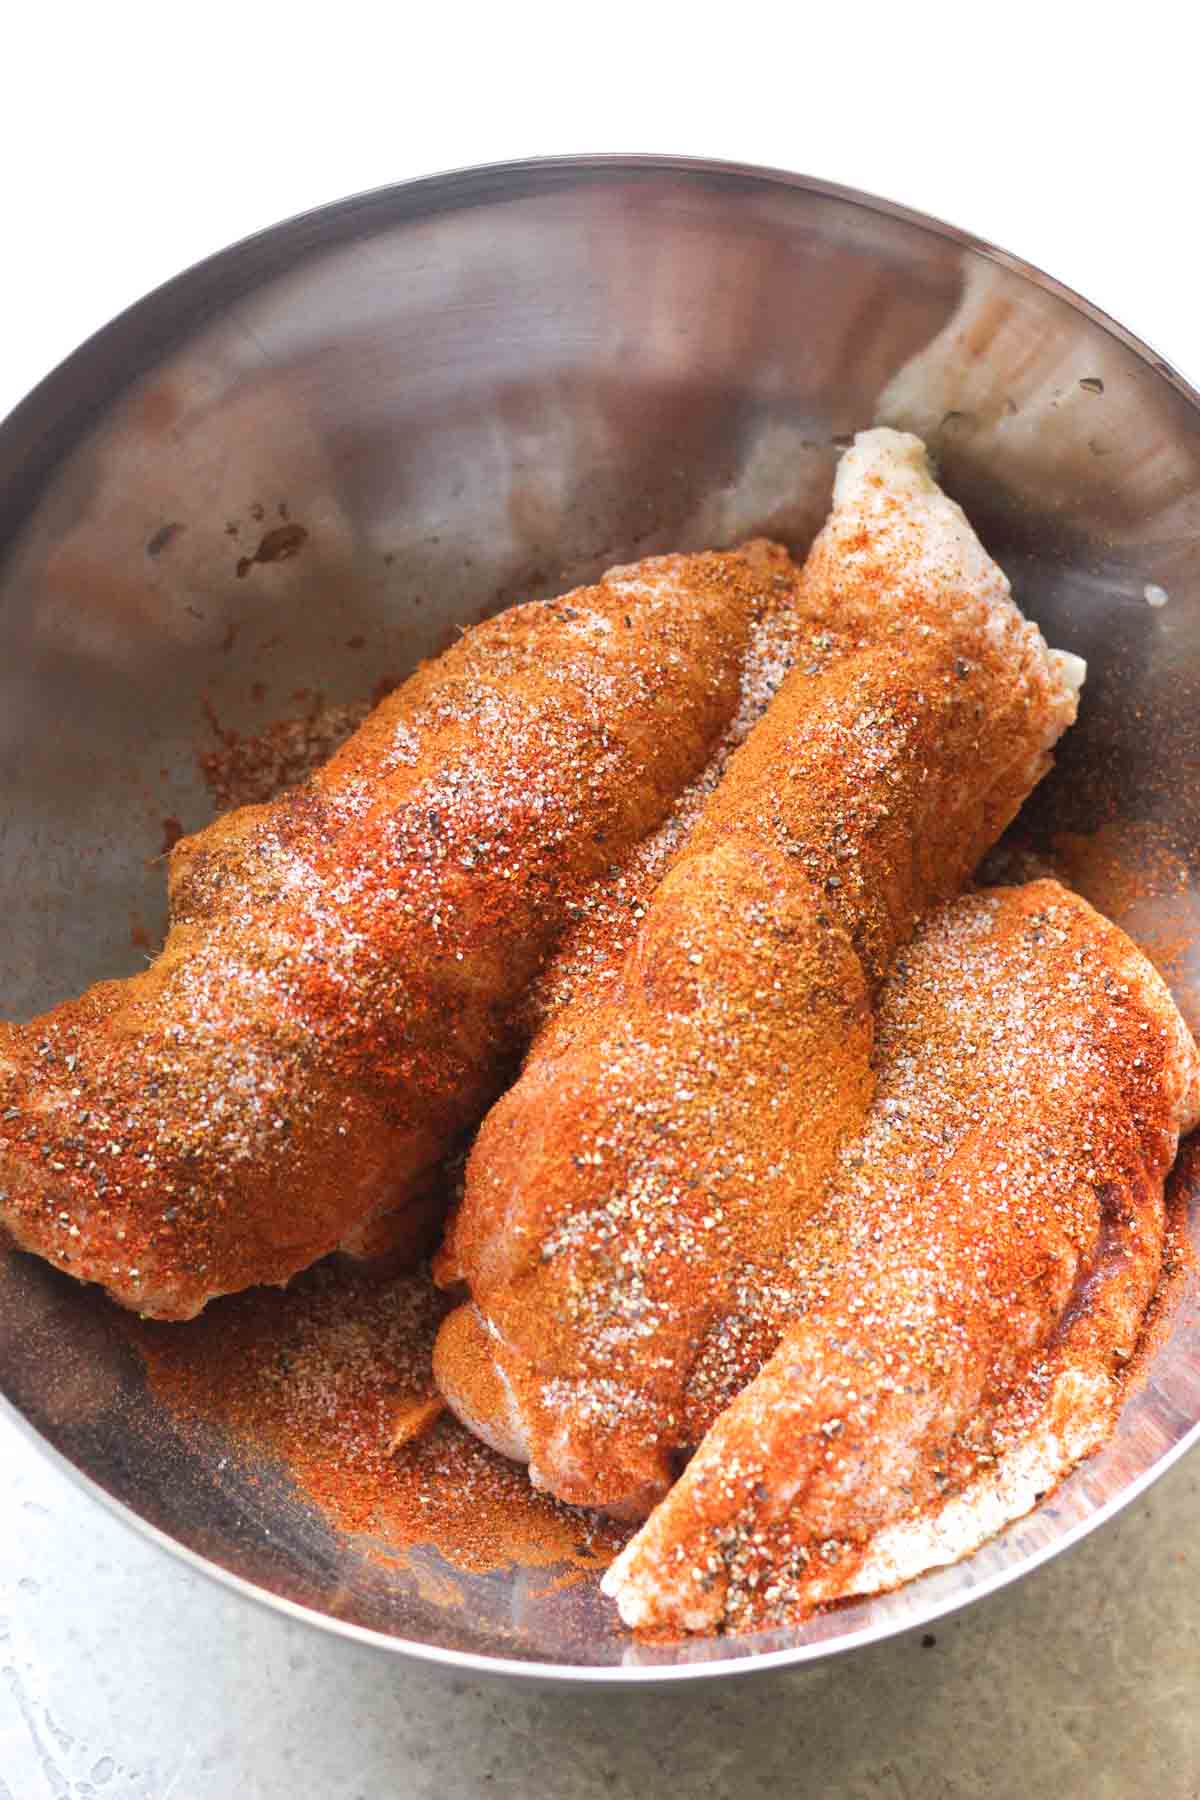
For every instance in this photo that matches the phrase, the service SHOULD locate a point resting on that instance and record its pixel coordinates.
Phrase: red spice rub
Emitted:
(247, 768)
(318, 1377)
(336, 998)
(970, 1291)
(675, 1120)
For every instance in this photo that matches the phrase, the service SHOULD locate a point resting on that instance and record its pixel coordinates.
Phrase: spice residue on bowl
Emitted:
(320, 1377)
(246, 768)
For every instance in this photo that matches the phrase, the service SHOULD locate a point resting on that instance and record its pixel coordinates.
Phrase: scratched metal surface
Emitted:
(482, 387)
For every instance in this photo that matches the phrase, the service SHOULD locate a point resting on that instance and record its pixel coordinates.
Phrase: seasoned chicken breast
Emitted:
(678, 1115)
(336, 999)
(964, 1300)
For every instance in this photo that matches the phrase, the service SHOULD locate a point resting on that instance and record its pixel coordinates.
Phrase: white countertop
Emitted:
(134, 141)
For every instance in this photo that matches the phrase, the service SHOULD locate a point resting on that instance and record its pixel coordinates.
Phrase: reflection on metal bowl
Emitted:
(311, 458)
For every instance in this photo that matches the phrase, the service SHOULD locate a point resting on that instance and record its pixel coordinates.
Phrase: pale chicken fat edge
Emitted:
(883, 465)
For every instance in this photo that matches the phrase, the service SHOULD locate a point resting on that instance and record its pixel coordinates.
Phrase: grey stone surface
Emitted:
(124, 1676)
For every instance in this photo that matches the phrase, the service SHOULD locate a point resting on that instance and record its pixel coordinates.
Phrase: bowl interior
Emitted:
(300, 467)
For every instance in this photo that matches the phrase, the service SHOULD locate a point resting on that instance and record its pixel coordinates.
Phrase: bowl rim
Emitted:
(58, 411)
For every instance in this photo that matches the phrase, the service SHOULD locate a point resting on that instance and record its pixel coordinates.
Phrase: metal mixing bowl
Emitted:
(485, 386)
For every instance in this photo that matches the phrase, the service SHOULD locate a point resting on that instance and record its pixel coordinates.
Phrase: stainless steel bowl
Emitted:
(469, 389)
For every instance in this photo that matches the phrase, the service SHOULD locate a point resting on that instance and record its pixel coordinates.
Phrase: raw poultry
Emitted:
(675, 1120)
(336, 999)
